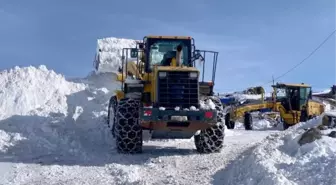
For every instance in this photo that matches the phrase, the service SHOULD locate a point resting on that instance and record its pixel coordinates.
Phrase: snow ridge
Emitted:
(48, 120)
(279, 159)
(27, 89)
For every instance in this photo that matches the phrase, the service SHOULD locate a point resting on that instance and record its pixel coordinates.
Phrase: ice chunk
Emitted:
(193, 108)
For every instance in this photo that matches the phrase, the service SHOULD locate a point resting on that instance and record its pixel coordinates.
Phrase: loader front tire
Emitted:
(211, 140)
(128, 132)
(111, 114)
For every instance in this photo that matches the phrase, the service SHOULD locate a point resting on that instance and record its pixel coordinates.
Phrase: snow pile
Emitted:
(109, 52)
(327, 106)
(262, 124)
(259, 124)
(48, 119)
(279, 159)
(27, 89)
(162, 108)
(330, 113)
(242, 97)
(322, 92)
(207, 105)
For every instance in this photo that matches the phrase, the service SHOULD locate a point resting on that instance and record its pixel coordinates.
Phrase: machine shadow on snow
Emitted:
(61, 140)
(157, 151)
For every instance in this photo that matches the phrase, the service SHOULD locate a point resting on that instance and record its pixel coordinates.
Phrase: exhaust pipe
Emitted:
(179, 55)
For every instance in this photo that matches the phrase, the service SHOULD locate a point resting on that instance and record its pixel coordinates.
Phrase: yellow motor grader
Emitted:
(293, 102)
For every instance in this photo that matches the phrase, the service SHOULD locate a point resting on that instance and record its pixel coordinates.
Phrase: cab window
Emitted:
(161, 52)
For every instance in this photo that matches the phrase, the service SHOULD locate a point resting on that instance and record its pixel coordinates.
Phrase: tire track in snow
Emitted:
(179, 163)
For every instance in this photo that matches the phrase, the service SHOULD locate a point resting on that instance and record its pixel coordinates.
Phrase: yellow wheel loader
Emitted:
(293, 102)
(162, 91)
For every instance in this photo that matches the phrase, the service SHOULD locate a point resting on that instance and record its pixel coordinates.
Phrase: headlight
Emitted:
(193, 75)
(162, 74)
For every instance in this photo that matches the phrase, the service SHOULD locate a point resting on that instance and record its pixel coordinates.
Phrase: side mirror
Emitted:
(134, 53)
(199, 56)
(141, 45)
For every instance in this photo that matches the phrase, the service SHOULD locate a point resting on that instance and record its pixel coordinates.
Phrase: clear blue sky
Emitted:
(256, 39)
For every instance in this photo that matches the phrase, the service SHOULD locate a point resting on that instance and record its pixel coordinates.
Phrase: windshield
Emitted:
(281, 93)
(304, 93)
(162, 51)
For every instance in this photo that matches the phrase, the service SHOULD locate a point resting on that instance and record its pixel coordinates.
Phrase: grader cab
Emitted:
(295, 104)
(161, 91)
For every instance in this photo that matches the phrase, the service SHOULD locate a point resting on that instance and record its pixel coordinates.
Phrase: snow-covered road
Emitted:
(163, 162)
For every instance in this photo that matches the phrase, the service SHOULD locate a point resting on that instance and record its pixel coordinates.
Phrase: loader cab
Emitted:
(292, 96)
(160, 50)
(169, 62)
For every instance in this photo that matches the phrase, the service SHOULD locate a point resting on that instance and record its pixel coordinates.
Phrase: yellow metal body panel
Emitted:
(121, 77)
(240, 111)
(292, 85)
(151, 77)
(315, 108)
(152, 85)
(168, 37)
(290, 117)
(173, 62)
(177, 68)
(120, 94)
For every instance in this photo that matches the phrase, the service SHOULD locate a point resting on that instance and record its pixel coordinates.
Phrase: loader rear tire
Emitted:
(211, 140)
(248, 121)
(128, 131)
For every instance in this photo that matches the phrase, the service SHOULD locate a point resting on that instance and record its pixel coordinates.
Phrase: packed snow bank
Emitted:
(27, 89)
(260, 124)
(48, 119)
(322, 92)
(279, 159)
(241, 97)
(109, 52)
